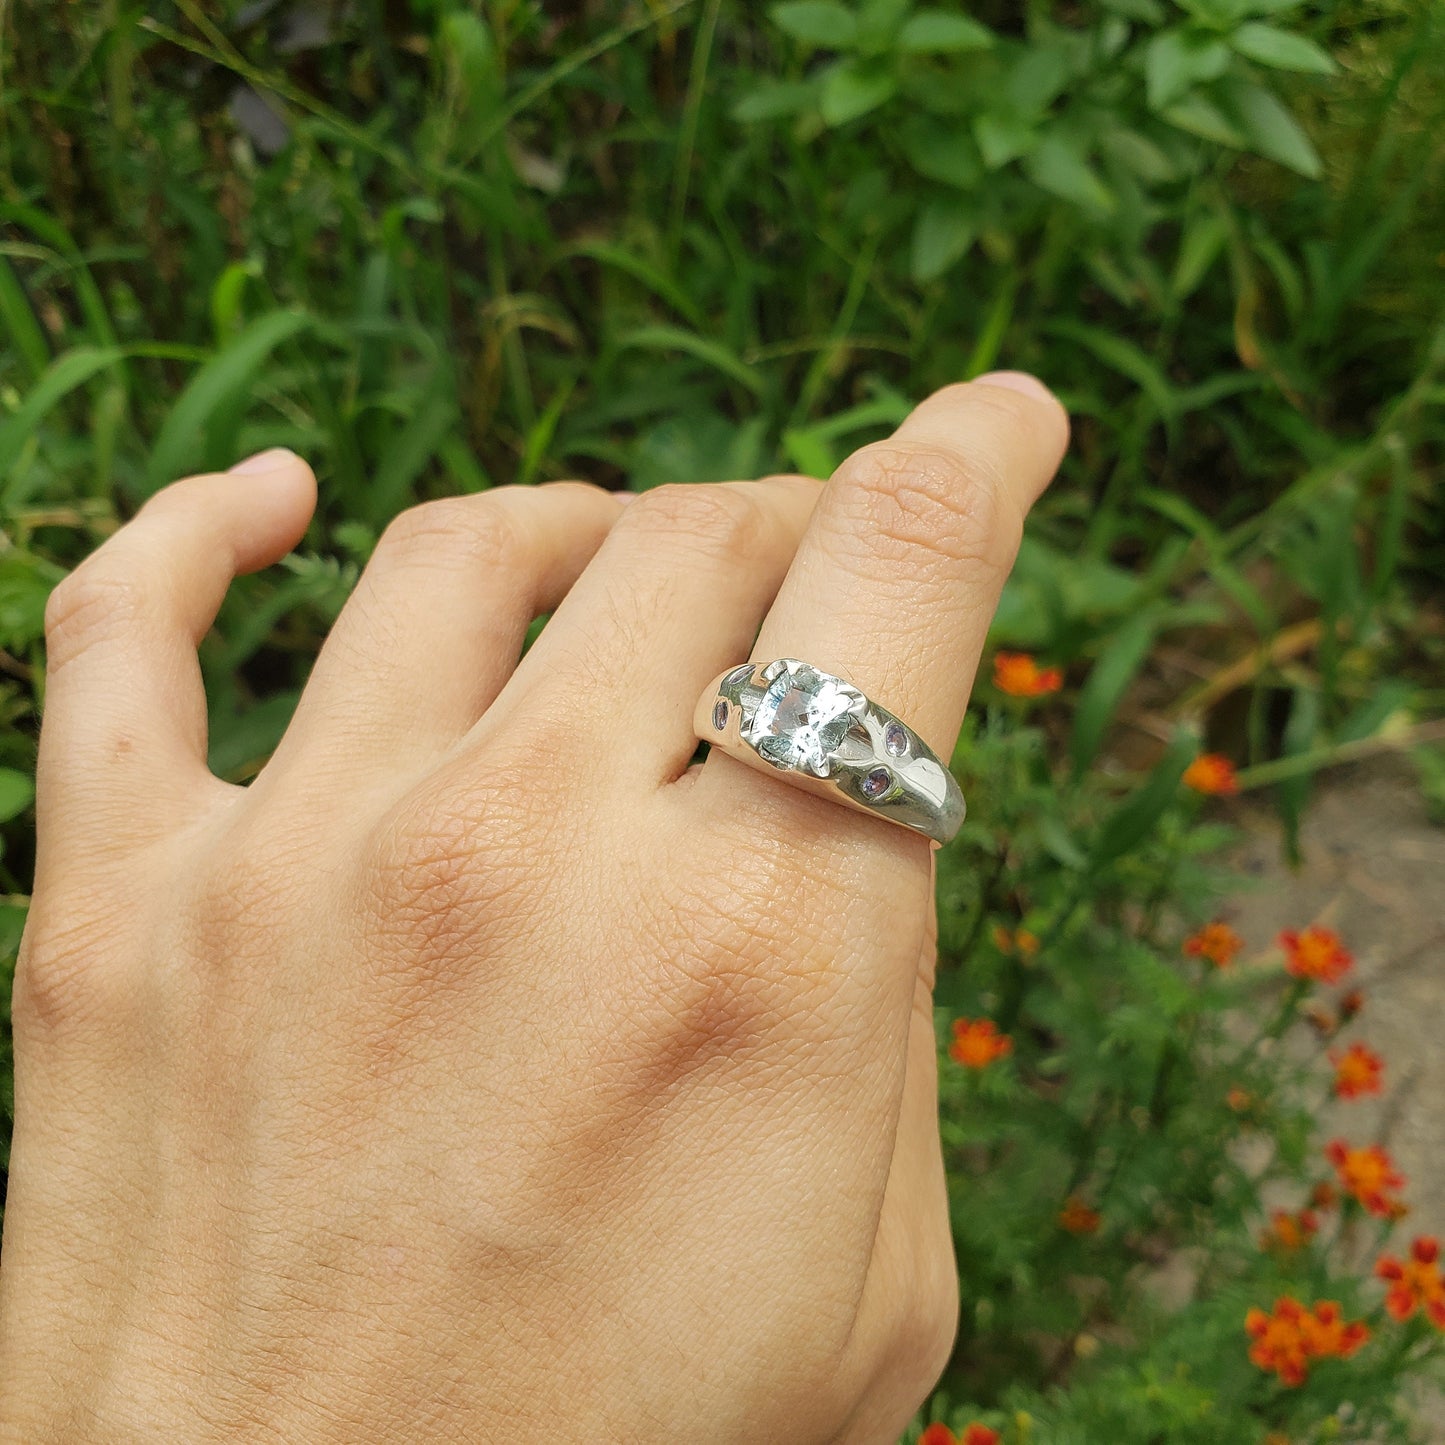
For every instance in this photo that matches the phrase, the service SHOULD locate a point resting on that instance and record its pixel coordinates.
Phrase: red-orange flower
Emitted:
(1316, 953)
(1351, 1004)
(1358, 1071)
(1324, 1195)
(1289, 1232)
(1416, 1282)
(1369, 1175)
(1287, 1340)
(975, 1434)
(1078, 1218)
(1212, 774)
(977, 1043)
(1017, 674)
(1239, 1099)
(1217, 942)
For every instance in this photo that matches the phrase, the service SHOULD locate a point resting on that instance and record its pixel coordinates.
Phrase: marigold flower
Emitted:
(1358, 1071)
(1017, 674)
(1315, 953)
(1368, 1175)
(977, 1043)
(1416, 1282)
(1293, 1335)
(1239, 1099)
(1290, 1232)
(977, 1434)
(1217, 942)
(1078, 1218)
(938, 1434)
(1213, 775)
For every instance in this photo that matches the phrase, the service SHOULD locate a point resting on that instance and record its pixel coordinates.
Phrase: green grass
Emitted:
(686, 240)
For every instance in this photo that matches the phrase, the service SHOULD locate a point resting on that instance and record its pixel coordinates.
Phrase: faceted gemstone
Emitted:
(895, 739)
(720, 713)
(802, 718)
(876, 783)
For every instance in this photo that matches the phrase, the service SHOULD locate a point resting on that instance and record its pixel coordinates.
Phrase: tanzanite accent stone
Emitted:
(720, 713)
(802, 718)
(895, 739)
(875, 783)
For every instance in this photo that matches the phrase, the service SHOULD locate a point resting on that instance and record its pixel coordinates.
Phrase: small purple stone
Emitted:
(876, 783)
(895, 739)
(720, 713)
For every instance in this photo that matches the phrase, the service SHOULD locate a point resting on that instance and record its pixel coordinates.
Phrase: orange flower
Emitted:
(1022, 942)
(1290, 1232)
(977, 1043)
(1369, 1175)
(1212, 774)
(1217, 942)
(938, 1435)
(1286, 1341)
(1359, 1070)
(977, 1434)
(1316, 953)
(1017, 674)
(1239, 1099)
(1078, 1218)
(1415, 1283)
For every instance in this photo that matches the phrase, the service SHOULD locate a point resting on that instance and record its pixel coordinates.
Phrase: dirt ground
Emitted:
(1374, 868)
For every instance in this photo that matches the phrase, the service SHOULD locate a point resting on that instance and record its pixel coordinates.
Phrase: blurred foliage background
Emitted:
(435, 245)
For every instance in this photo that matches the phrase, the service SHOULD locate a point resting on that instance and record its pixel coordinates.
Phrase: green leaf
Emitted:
(433, 414)
(17, 792)
(936, 32)
(775, 98)
(713, 353)
(1002, 138)
(195, 434)
(851, 90)
(1203, 118)
(1271, 131)
(1149, 11)
(18, 324)
(1057, 165)
(1204, 236)
(1107, 682)
(1136, 817)
(941, 153)
(60, 378)
(1272, 46)
(818, 23)
(1177, 60)
(1293, 792)
(942, 234)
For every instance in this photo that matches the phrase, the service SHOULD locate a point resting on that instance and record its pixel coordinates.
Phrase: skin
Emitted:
(482, 1070)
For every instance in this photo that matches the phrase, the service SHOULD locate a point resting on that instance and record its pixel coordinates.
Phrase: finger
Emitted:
(677, 590)
(437, 623)
(896, 581)
(125, 714)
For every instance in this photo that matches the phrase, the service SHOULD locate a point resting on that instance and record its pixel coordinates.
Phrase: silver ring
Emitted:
(822, 734)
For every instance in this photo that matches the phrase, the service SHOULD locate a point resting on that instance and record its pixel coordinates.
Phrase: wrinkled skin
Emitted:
(483, 1071)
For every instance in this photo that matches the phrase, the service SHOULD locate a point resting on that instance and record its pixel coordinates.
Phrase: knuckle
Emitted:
(90, 605)
(910, 501)
(725, 521)
(446, 880)
(67, 975)
(452, 531)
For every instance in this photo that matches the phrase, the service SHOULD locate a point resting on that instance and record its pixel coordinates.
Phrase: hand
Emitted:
(483, 1070)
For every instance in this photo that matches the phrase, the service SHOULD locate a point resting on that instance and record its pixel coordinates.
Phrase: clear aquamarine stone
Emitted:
(802, 718)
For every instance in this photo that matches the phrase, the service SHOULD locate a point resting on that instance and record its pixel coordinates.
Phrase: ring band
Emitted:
(822, 734)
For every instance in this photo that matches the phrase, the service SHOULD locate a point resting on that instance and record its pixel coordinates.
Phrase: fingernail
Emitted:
(267, 461)
(1017, 381)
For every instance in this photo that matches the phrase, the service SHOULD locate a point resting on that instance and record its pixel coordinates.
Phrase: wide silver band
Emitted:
(822, 734)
